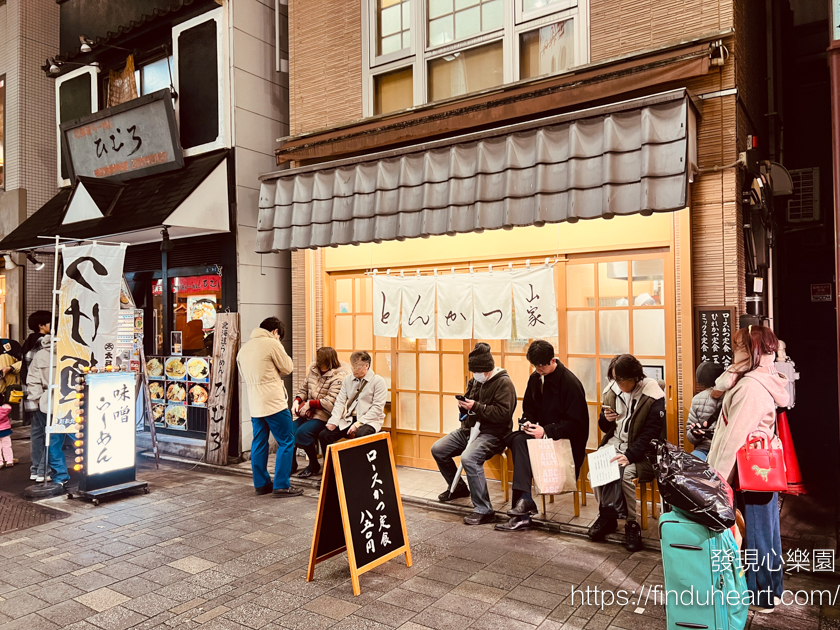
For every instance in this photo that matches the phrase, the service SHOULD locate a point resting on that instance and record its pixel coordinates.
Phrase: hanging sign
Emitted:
(88, 322)
(359, 508)
(418, 307)
(387, 296)
(492, 315)
(225, 346)
(455, 306)
(713, 334)
(534, 303)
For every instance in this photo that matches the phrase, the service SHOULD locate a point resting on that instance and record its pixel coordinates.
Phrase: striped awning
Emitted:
(637, 156)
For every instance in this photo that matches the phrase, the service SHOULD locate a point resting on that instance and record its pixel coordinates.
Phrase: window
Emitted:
(75, 97)
(2, 132)
(154, 76)
(423, 51)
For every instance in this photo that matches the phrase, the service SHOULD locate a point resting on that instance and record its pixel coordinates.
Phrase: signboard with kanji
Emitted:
(359, 508)
(713, 334)
(134, 139)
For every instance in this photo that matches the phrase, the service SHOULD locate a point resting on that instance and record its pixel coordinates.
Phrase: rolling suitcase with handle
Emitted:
(703, 574)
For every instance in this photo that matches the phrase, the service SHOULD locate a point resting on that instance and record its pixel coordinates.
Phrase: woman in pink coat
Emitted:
(753, 391)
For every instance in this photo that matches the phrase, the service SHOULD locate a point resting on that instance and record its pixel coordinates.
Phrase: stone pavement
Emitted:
(201, 551)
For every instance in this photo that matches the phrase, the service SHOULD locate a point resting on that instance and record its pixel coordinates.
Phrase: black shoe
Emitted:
(294, 464)
(479, 519)
(266, 489)
(308, 472)
(632, 537)
(602, 527)
(287, 492)
(461, 491)
(523, 507)
(515, 524)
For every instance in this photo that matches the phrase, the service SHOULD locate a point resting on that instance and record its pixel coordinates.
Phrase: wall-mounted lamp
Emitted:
(87, 45)
(38, 264)
(10, 265)
(55, 65)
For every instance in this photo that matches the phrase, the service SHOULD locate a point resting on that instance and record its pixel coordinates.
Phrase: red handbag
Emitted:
(761, 468)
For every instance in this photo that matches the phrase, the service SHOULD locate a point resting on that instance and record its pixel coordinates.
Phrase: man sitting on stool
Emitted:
(490, 400)
(554, 407)
(359, 409)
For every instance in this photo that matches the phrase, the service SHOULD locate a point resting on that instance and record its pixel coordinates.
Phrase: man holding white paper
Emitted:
(633, 414)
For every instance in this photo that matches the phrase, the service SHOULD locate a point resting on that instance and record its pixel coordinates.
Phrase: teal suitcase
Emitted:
(705, 587)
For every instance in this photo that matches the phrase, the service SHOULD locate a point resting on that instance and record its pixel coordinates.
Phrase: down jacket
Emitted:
(321, 390)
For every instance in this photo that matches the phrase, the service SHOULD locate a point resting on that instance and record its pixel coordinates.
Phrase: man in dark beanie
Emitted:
(489, 403)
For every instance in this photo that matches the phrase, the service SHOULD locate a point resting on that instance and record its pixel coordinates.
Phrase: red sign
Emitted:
(191, 285)
(821, 292)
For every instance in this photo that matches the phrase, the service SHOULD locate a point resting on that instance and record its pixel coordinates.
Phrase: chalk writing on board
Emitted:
(714, 336)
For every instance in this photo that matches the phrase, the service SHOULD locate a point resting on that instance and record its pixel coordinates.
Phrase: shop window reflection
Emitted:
(195, 302)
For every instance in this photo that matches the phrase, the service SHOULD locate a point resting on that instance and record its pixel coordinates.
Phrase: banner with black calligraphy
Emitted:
(455, 306)
(225, 347)
(418, 307)
(534, 303)
(387, 295)
(88, 321)
(492, 317)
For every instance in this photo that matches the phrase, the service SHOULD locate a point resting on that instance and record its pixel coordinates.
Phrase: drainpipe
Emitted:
(834, 69)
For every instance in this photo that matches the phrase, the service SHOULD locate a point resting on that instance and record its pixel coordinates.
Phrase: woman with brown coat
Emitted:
(314, 403)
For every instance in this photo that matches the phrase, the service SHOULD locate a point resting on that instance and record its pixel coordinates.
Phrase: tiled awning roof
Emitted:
(632, 157)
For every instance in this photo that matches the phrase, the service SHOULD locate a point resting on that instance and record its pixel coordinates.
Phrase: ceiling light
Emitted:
(38, 264)
(10, 264)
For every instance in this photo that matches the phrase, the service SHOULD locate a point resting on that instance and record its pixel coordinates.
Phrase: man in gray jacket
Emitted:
(705, 409)
(359, 409)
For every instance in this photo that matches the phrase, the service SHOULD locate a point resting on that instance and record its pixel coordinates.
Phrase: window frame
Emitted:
(93, 71)
(220, 16)
(4, 133)
(516, 22)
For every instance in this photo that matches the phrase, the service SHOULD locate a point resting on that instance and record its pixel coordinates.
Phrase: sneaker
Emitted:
(515, 524)
(476, 518)
(461, 491)
(602, 527)
(282, 493)
(760, 610)
(33, 477)
(632, 537)
(40, 478)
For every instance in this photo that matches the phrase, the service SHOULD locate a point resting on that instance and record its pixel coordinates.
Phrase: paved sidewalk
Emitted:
(201, 551)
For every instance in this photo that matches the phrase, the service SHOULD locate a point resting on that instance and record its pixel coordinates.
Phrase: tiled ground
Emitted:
(201, 551)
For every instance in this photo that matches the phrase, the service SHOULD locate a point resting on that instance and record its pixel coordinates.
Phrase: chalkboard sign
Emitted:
(359, 508)
(713, 334)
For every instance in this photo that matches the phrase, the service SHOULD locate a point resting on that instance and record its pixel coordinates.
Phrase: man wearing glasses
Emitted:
(554, 408)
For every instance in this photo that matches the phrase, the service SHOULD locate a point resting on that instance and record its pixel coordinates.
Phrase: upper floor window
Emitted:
(422, 51)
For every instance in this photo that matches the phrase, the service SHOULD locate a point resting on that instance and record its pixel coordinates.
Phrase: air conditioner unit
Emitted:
(804, 205)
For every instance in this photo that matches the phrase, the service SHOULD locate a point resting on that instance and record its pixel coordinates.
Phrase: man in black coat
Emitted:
(554, 407)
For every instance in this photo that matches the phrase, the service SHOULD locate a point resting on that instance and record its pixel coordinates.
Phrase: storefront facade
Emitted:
(622, 283)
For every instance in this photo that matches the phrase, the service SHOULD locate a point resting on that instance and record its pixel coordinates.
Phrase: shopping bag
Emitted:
(693, 486)
(761, 468)
(795, 484)
(611, 501)
(552, 466)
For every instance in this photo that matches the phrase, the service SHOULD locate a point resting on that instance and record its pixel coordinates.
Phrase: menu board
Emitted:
(177, 383)
(129, 337)
(713, 334)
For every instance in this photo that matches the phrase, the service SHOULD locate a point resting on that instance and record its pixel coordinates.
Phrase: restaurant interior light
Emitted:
(38, 264)
(10, 264)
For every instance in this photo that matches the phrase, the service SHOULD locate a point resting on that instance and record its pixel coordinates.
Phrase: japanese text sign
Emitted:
(387, 297)
(109, 422)
(225, 346)
(418, 313)
(455, 306)
(130, 140)
(534, 303)
(88, 322)
(493, 305)
(713, 334)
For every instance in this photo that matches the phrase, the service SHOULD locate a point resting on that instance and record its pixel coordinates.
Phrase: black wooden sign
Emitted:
(713, 326)
(359, 508)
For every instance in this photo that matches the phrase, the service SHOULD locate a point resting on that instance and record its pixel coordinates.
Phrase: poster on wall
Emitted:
(89, 306)
(202, 307)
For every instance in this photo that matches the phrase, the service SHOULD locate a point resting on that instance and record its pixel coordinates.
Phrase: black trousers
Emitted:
(327, 437)
(517, 442)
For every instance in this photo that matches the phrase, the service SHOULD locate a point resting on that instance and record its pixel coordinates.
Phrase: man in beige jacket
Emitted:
(263, 363)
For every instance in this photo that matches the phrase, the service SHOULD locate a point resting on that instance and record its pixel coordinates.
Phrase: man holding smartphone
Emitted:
(489, 403)
(554, 407)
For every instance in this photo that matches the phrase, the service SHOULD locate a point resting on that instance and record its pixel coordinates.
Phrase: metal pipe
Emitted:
(834, 69)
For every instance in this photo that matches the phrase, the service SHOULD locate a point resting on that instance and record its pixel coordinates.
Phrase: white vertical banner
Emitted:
(88, 322)
(418, 307)
(387, 293)
(455, 306)
(535, 303)
(110, 422)
(492, 317)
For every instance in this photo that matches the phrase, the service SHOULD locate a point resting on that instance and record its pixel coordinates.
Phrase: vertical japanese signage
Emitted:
(88, 322)
(359, 508)
(713, 334)
(534, 303)
(109, 410)
(225, 345)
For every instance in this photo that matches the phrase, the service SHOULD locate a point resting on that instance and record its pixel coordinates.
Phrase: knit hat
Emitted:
(707, 373)
(480, 359)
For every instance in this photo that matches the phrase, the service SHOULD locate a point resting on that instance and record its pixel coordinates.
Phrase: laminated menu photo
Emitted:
(176, 393)
(176, 417)
(154, 368)
(198, 395)
(176, 369)
(198, 369)
(157, 391)
(159, 415)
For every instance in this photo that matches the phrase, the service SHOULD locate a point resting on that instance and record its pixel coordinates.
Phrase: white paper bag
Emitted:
(552, 466)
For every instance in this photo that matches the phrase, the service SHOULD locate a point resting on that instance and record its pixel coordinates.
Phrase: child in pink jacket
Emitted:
(7, 458)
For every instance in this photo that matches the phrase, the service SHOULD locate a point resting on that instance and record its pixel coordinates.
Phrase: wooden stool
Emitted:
(507, 456)
(654, 491)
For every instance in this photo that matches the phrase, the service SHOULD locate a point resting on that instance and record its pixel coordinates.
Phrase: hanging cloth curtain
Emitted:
(121, 84)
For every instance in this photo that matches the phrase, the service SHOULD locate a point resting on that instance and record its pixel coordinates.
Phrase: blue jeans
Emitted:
(483, 448)
(307, 430)
(763, 535)
(282, 428)
(700, 454)
(55, 455)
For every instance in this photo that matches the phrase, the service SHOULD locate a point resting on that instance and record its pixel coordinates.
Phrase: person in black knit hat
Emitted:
(489, 402)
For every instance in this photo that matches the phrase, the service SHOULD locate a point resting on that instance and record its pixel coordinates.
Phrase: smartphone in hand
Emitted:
(460, 397)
